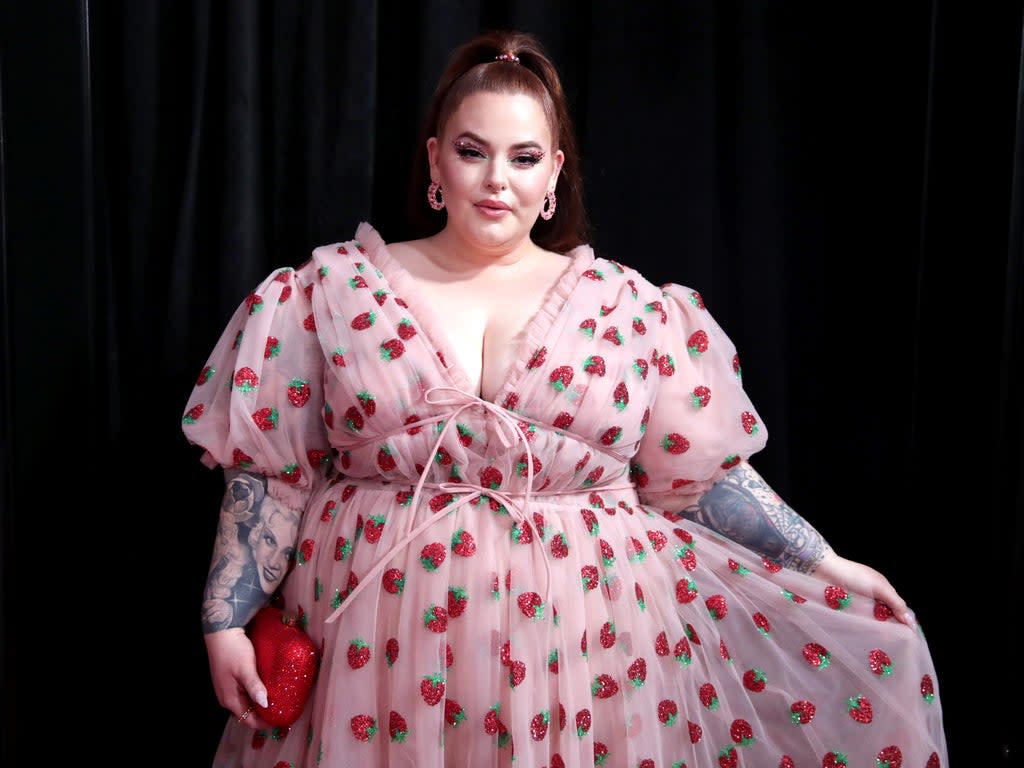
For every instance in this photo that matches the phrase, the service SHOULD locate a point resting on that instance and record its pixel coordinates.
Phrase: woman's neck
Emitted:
(452, 253)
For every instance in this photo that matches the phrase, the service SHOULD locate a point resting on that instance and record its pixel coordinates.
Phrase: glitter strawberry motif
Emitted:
(697, 343)
(817, 655)
(668, 712)
(859, 708)
(364, 727)
(834, 759)
(398, 729)
(802, 712)
(889, 757)
(836, 597)
(927, 689)
(741, 732)
(708, 696)
(432, 688)
(358, 653)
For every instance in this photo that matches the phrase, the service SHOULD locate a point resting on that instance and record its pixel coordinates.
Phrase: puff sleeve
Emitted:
(701, 422)
(258, 402)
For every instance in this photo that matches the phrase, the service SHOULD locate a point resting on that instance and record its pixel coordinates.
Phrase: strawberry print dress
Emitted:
(497, 583)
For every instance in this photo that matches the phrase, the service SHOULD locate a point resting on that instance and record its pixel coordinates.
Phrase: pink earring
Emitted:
(434, 196)
(549, 206)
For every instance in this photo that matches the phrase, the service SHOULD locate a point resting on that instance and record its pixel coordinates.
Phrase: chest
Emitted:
(484, 322)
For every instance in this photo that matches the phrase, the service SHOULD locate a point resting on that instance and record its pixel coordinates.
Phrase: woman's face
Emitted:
(495, 164)
(272, 549)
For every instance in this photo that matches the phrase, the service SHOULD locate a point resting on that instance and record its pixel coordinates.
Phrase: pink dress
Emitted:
(493, 582)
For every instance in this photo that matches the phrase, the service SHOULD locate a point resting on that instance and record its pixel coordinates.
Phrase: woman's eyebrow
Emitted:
(521, 145)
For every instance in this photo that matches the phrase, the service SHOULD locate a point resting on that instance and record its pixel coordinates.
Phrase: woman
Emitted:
(529, 526)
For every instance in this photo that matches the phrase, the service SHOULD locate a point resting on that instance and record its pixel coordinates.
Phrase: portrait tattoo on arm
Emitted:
(742, 507)
(252, 552)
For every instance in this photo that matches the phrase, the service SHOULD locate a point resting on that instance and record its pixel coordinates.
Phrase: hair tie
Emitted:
(511, 57)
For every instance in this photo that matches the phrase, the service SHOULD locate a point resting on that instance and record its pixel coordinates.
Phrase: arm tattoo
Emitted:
(743, 508)
(252, 550)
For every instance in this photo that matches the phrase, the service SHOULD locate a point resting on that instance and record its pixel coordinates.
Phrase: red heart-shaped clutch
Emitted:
(287, 660)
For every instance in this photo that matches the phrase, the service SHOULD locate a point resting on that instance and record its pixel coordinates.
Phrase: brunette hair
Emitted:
(474, 67)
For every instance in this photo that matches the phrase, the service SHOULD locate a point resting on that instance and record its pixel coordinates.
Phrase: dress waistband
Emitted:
(516, 502)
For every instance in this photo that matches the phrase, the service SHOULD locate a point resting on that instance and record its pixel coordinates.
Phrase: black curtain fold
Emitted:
(844, 186)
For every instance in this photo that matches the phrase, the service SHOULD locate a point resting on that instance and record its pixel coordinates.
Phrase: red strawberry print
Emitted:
(432, 555)
(463, 543)
(700, 397)
(342, 548)
(730, 461)
(607, 634)
(358, 653)
(666, 365)
(794, 597)
(686, 591)
(739, 570)
(933, 761)
(305, 553)
(590, 577)
(727, 758)
(880, 663)
(492, 724)
(668, 712)
(836, 597)
(641, 368)
(639, 593)
(245, 380)
(241, 459)
(385, 459)
(717, 607)
(553, 662)
(583, 722)
(890, 757)
(357, 282)
(406, 330)
(749, 422)
(675, 443)
(453, 713)
(620, 397)
(457, 601)
(882, 611)
(363, 727)
(762, 624)
(449, 656)
(588, 327)
(741, 732)
(604, 686)
(697, 344)
(594, 365)
(531, 605)
(658, 539)
(291, 473)
(354, 419)
(522, 533)
(801, 712)
(638, 326)
(817, 655)
(655, 306)
(695, 731)
(254, 302)
(786, 762)
(391, 651)
(860, 709)
(607, 553)
(265, 419)
(328, 512)
(363, 321)
(601, 753)
(435, 619)
(397, 727)
(611, 435)
(612, 334)
(537, 358)
(432, 688)
(368, 402)
(559, 546)
(593, 274)
(709, 696)
(682, 653)
(834, 760)
(770, 565)
(927, 688)
(392, 349)
(661, 644)
(516, 672)
(539, 725)
(637, 672)
(374, 528)
(691, 633)
(593, 476)
(560, 378)
(754, 680)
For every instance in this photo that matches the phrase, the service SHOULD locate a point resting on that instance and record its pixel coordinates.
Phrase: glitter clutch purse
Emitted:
(287, 660)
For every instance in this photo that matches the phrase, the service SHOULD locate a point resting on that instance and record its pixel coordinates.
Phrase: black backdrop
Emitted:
(844, 184)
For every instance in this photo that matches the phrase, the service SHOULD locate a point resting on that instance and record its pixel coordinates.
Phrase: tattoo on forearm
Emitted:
(743, 508)
(252, 551)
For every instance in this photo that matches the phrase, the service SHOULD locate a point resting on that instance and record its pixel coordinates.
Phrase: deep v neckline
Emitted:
(531, 335)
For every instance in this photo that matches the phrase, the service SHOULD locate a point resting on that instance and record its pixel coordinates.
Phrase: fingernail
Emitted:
(261, 698)
(907, 617)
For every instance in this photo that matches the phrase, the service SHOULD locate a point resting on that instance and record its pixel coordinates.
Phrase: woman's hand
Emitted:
(865, 580)
(233, 671)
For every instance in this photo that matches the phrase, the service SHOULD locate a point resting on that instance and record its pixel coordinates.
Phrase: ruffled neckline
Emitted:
(533, 336)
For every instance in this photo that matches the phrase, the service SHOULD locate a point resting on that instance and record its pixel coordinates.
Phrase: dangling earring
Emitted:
(549, 206)
(434, 196)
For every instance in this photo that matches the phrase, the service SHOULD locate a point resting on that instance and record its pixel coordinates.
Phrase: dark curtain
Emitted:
(843, 183)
